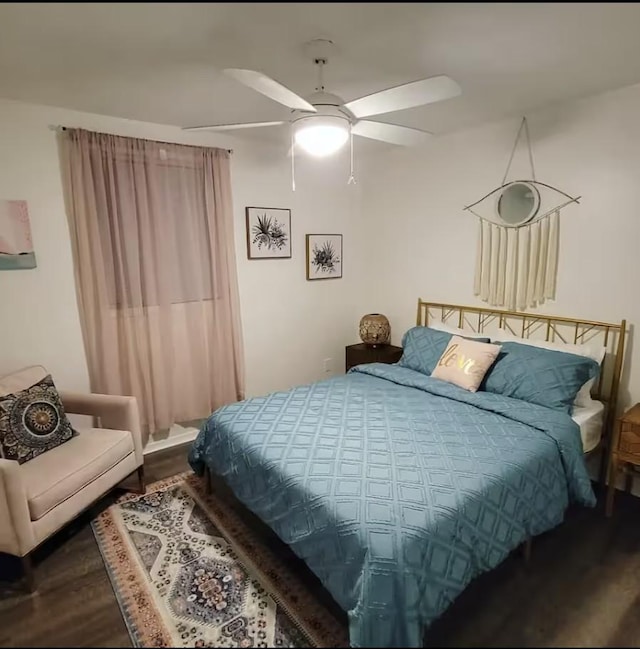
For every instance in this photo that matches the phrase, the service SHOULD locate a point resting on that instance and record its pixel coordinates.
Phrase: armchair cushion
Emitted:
(56, 476)
(32, 420)
(21, 379)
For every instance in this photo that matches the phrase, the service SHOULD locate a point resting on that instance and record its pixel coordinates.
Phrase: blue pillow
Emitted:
(423, 346)
(542, 376)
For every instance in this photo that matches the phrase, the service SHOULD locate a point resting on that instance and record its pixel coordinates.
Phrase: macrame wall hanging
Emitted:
(517, 255)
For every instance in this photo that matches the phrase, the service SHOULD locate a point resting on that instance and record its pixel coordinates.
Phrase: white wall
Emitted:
(290, 325)
(421, 244)
(405, 234)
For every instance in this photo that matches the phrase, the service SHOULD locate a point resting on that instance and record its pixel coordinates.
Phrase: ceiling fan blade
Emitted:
(230, 127)
(392, 133)
(270, 88)
(407, 95)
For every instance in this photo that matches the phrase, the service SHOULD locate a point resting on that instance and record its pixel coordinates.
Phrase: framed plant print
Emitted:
(324, 256)
(268, 233)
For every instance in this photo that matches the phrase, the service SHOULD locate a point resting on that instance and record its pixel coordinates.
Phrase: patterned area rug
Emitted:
(188, 572)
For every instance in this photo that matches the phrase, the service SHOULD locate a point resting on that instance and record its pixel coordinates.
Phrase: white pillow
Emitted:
(595, 352)
(456, 331)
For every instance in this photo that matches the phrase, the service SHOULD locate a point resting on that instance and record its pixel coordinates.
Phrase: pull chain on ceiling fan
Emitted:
(323, 123)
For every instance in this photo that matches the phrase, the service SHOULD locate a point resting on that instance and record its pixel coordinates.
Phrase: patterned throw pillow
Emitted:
(32, 421)
(465, 362)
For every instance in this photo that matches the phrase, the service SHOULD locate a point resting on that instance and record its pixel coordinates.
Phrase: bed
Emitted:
(397, 489)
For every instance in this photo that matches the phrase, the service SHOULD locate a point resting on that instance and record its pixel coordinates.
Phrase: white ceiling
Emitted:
(160, 62)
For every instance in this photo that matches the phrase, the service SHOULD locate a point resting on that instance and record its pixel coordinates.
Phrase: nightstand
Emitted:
(361, 353)
(625, 450)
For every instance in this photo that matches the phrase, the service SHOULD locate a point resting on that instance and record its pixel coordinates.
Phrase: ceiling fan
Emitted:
(322, 122)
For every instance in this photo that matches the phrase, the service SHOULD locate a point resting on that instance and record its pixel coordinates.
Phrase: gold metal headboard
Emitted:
(549, 328)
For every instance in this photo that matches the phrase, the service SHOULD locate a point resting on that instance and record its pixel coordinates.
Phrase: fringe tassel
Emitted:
(517, 268)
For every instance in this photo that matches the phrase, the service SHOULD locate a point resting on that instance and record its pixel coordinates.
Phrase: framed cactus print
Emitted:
(268, 233)
(324, 256)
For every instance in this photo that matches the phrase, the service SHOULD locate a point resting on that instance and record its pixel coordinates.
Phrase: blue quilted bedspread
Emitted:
(395, 488)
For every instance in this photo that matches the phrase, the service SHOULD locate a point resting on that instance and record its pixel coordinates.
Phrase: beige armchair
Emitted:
(39, 497)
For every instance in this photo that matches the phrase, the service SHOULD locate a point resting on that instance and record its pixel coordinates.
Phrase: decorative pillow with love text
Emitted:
(465, 362)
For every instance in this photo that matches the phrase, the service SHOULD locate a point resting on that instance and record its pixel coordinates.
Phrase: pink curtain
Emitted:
(152, 234)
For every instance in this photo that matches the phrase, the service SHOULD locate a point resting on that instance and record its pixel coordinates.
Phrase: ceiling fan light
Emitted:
(322, 137)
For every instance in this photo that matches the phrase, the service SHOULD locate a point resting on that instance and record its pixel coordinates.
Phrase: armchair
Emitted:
(39, 497)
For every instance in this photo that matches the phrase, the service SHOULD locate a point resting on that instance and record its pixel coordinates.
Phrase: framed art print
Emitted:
(16, 245)
(268, 233)
(324, 256)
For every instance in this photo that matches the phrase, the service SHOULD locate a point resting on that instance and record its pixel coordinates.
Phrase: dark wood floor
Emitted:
(581, 588)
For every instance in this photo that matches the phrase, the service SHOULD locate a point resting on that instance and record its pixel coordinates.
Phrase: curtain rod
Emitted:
(55, 127)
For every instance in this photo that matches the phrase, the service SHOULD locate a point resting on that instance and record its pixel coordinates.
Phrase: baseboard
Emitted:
(185, 437)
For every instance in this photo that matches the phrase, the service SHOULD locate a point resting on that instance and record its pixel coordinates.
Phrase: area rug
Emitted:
(187, 571)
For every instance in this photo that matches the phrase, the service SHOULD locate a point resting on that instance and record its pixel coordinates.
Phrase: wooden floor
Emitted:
(581, 588)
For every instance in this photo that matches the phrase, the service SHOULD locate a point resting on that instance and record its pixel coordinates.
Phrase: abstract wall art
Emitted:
(16, 245)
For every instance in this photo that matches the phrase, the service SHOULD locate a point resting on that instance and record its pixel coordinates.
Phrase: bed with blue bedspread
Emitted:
(396, 489)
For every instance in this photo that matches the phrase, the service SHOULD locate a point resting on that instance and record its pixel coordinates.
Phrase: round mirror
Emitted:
(518, 202)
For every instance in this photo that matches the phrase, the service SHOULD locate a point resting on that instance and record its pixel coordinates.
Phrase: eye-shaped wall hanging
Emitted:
(520, 202)
(517, 256)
